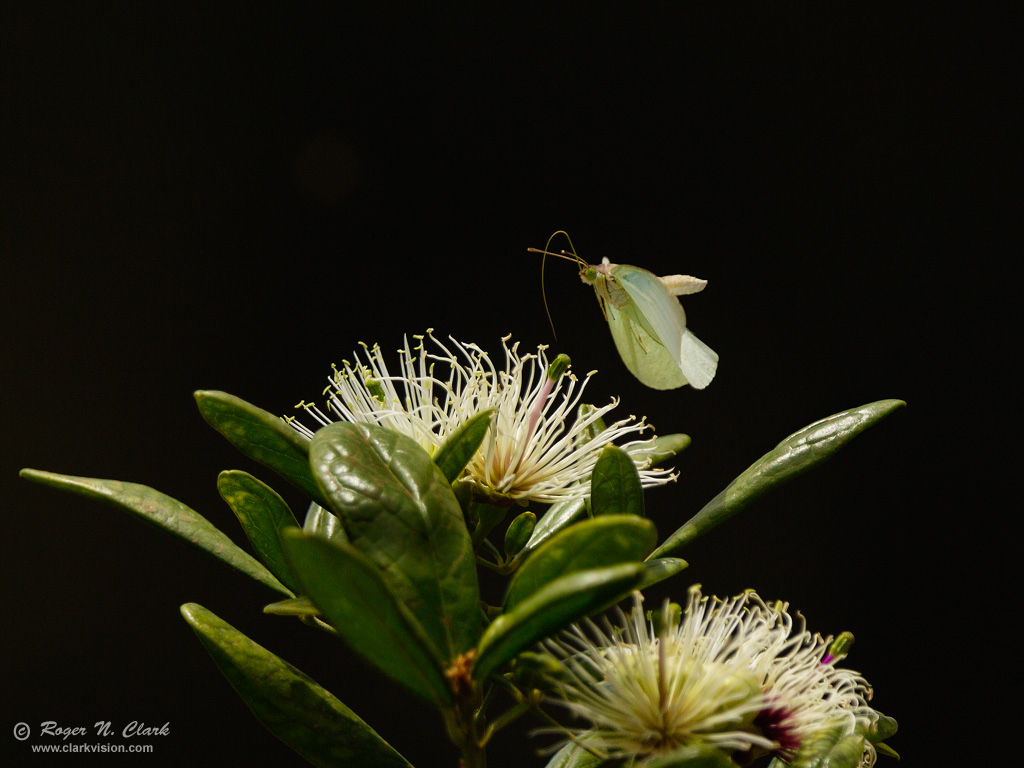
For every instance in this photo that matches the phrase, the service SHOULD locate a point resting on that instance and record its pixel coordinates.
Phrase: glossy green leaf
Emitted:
(261, 436)
(519, 532)
(615, 486)
(325, 524)
(659, 569)
(293, 606)
(882, 748)
(693, 756)
(558, 516)
(291, 705)
(165, 513)
(596, 543)
(262, 514)
(667, 446)
(551, 609)
(458, 449)
(399, 510)
(354, 598)
(796, 454)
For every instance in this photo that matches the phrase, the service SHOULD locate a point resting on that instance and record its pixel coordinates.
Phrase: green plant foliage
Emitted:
(828, 748)
(166, 513)
(291, 705)
(355, 599)
(572, 755)
(458, 449)
(399, 510)
(601, 541)
(262, 514)
(661, 568)
(552, 608)
(325, 524)
(667, 446)
(796, 454)
(615, 487)
(261, 436)
(293, 606)
(557, 517)
(519, 532)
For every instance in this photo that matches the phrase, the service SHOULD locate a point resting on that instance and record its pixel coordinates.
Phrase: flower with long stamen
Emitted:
(534, 450)
(732, 674)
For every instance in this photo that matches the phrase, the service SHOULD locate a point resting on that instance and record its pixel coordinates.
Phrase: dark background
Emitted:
(232, 197)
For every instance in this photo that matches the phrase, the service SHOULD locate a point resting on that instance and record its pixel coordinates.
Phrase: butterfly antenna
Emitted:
(563, 255)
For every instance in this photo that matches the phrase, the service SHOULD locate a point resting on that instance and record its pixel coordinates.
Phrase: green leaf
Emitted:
(399, 510)
(519, 532)
(554, 607)
(262, 513)
(692, 756)
(572, 755)
(659, 569)
(458, 449)
(293, 606)
(667, 446)
(291, 705)
(883, 728)
(830, 748)
(325, 524)
(261, 436)
(796, 454)
(615, 486)
(596, 543)
(165, 513)
(558, 516)
(354, 598)
(882, 748)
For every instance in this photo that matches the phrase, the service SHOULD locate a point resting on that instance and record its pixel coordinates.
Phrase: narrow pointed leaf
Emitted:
(293, 606)
(796, 454)
(165, 513)
(659, 569)
(399, 510)
(291, 705)
(325, 524)
(553, 608)
(461, 445)
(354, 598)
(262, 514)
(596, 543)
(884, 749)
(261, 436)
(615, 487)
(558, 516)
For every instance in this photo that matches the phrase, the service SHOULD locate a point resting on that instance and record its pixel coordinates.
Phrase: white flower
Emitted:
(529, 453)
(732, 674)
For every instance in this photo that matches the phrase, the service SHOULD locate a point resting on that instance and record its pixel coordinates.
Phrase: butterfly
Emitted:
(647, 321)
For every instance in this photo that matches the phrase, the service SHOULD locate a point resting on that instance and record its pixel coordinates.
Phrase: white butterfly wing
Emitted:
(645, 358)
(697, 360)
(660, 316)
(658, 310)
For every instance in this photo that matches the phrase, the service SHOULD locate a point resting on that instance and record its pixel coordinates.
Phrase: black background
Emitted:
(232, 197)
